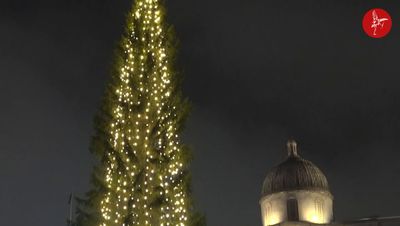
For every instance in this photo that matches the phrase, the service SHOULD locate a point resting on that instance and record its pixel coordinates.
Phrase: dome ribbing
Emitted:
(295, 173)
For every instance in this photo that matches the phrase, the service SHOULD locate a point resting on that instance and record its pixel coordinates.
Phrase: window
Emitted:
(292, 209)
(268, 209)
(319, 207)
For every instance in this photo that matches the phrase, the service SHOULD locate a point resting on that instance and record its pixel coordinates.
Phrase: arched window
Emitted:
(292, 209)
(268, 209)
(319, 207)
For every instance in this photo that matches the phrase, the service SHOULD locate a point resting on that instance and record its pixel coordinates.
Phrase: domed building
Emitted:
(296, 193)
(296, 190)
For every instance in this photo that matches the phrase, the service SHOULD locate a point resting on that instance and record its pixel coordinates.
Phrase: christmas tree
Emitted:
(142, 177)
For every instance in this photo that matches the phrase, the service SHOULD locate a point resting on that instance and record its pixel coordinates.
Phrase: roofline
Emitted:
(297, 190)
(373, 219)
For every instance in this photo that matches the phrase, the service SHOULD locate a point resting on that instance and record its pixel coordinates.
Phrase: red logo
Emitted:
(377, 23)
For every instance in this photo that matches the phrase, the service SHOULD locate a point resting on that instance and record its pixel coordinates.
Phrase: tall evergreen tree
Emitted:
(142, 177)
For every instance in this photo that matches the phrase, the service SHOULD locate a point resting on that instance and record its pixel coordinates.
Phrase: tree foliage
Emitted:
(142, 177)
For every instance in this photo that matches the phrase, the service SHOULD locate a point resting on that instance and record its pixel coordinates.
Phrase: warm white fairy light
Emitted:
(144, 109)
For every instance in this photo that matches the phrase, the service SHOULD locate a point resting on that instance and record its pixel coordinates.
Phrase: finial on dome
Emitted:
(292, 148)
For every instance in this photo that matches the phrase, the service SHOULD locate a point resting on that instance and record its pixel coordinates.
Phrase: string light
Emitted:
(147, 161)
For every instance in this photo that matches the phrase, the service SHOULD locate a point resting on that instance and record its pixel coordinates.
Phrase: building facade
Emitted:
(296, 193)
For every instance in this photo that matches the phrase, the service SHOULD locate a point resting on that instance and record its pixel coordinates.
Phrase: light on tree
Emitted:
(143, 175)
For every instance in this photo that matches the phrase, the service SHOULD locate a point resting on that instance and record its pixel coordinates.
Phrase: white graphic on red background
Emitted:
(377, 22)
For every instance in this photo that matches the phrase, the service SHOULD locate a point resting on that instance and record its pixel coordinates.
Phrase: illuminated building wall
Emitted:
(312, 206)
(296, 193)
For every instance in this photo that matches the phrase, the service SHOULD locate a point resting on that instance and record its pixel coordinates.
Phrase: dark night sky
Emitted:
(257, 72)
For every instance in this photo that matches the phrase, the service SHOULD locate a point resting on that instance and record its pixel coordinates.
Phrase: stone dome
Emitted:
(295, 173)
